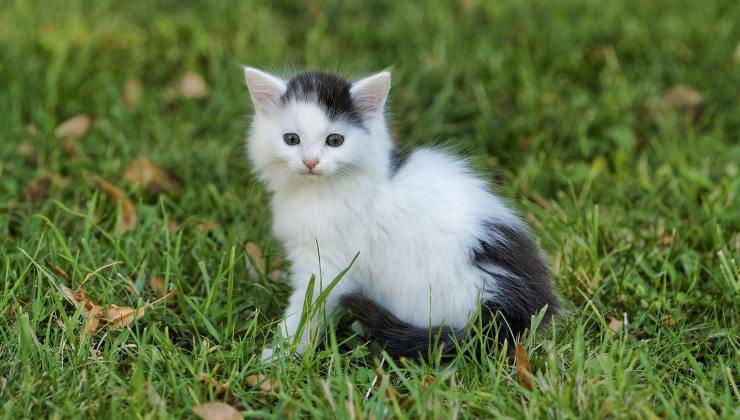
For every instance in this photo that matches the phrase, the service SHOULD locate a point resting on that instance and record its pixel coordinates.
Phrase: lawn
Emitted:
(613, 126)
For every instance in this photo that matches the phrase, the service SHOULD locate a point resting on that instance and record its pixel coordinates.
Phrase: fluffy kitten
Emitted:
(435, 244)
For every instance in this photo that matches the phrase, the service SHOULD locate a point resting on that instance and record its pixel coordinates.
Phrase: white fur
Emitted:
(414, 231)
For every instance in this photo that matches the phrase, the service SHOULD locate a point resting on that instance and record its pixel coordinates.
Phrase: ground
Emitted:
(612, 126)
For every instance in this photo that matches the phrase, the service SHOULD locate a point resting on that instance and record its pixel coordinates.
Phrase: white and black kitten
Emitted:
(435, 244)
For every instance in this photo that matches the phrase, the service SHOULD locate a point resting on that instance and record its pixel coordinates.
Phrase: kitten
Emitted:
(435, 244)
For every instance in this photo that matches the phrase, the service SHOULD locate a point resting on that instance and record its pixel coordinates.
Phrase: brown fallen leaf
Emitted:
(254, 261)
(679, 98)
(172, 225)
(682, 98)
(264, 384)
(93, 322)
(128, 211)
(276, 263)
(88, 306)
(142, 172)
(10, 312)
(74, 127)
(156, 283)
(132, 91)
(31, 130)
(28, 153)
(221, 389)
(615, 324)
(206, 225)
(276, 275)
(121, 316)
(38, 189)
(57, 270)
(68, 294)
(216, 411)
(190, 86)
(523, 369)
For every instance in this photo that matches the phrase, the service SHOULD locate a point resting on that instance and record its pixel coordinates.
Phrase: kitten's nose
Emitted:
(310, 163)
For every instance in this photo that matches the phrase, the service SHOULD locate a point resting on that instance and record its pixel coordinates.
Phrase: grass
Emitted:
(638, 210)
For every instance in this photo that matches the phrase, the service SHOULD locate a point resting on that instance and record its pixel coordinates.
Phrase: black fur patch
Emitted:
(329, 90)
(526, 291)
(398, 338)
(399, 157)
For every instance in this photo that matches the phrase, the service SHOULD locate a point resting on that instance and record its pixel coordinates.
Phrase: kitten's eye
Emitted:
(334, 140)
(291, 139)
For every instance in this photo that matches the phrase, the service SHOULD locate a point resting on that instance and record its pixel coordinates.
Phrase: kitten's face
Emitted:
(316, 126)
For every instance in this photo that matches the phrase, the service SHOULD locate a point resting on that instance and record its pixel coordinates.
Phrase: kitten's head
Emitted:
(317, 127)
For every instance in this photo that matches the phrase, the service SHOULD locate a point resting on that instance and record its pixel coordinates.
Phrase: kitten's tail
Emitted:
(399, 338)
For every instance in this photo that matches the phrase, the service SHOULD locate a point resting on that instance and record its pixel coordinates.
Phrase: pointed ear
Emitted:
(370, 93)
(264, 88)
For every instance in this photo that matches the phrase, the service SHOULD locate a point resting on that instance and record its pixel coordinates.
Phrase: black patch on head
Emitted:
(399, 157)
(523, 293)
(330, 91)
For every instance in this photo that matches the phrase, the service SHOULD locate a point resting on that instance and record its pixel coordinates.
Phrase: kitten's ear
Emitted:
(264, 88)
(370, 93)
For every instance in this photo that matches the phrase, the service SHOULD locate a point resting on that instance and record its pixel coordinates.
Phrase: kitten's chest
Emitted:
(333, 223)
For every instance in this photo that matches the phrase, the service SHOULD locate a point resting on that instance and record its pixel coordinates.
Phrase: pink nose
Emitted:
(310, 163)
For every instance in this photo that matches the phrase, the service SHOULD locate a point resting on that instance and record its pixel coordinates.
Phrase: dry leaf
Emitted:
(156, 283)
(682, 98)
(74, 127)
(216, 411)
(144, 173)
(314, 9)
(220, 388)
(128, 211)
(276, 262)
(191, 86)
(132, 91)
(93, 321)
(264, 384)
(275, 275)
(31, 130)
(122, 316)
(254, 260)
(57, 270)
(172, 225)
(615, 324)
(10, 312)
(206, 225)
(28, 153)
(523, 369)
(38, 189)
(88, 306)
(67, 293)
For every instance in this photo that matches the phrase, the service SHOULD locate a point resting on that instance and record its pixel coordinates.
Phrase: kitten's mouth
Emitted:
(311, 173)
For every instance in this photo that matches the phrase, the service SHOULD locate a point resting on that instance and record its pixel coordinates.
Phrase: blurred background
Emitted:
(613, 126)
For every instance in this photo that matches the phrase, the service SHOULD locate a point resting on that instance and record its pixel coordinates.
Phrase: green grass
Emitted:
(638, 212)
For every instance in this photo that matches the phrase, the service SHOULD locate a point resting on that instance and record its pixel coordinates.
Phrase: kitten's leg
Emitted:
(291, 322)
